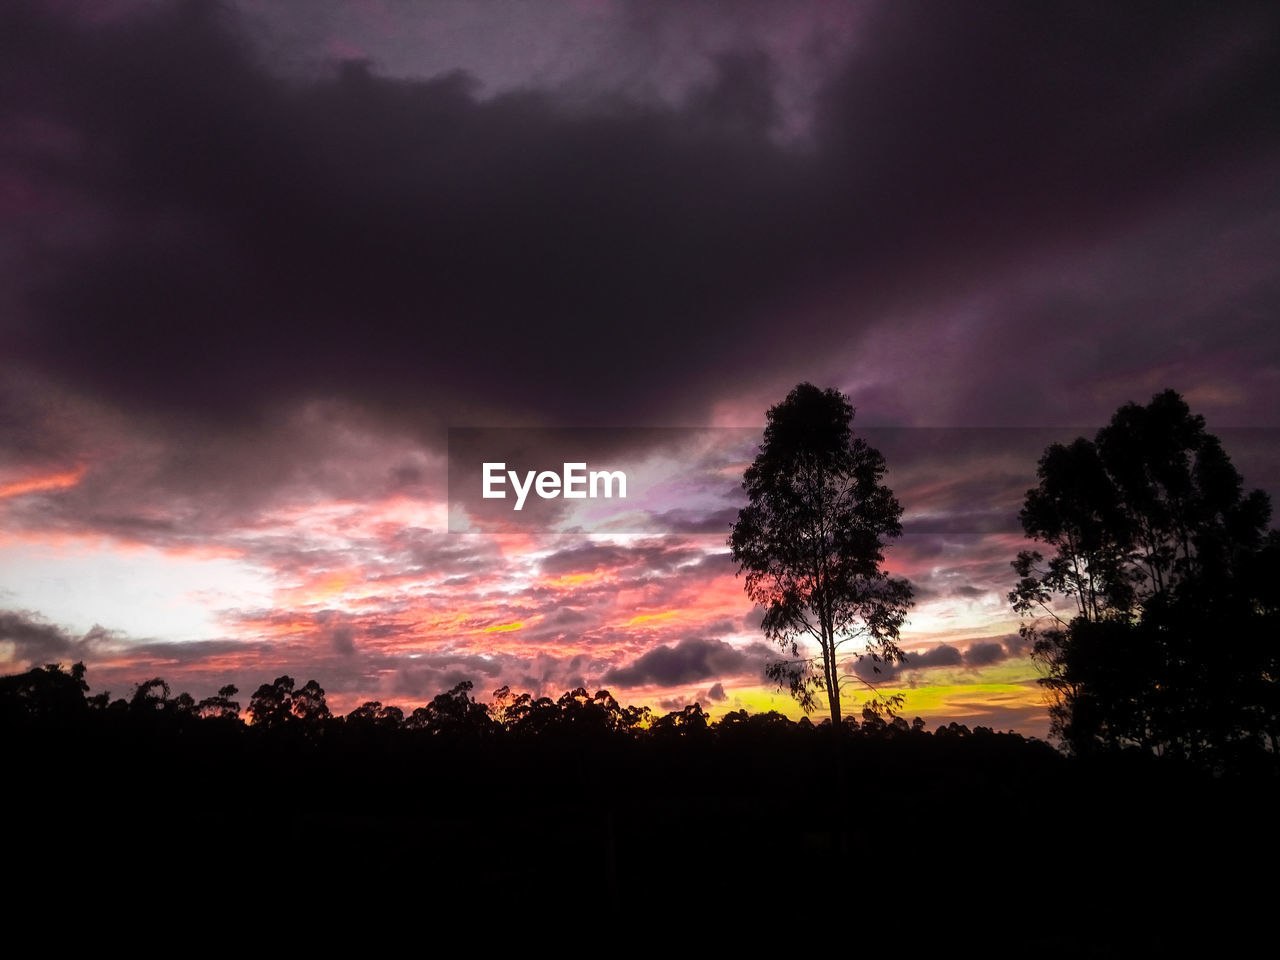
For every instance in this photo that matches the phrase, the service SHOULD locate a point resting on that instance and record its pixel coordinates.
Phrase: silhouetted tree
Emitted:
(1161, 553)
(811, 541)
(150, 697)
(524, 714)
(590, 716)
(689, 722)
(271, 705)
(373, 714)
(44, 693)
(1076, 509)
(453, 714)
(309, 704)
(220, 706)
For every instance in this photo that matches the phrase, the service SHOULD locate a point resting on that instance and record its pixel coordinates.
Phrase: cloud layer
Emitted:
(255, 264)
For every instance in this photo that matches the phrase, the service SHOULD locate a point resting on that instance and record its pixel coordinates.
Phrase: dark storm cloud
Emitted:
(34, 639)
(979, 653)
(261, 242)
(982, 654)
(214, 240)
(31, 430)
(940, 656)
(1018, 645)
(690, 661)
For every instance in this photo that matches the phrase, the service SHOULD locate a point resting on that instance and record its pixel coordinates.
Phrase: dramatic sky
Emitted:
(258, 257)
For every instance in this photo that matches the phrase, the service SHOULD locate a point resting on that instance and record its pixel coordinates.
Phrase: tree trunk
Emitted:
(839, 826)
(833, 686)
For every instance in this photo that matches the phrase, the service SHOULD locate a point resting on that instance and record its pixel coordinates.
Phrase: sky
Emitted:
(260, 258)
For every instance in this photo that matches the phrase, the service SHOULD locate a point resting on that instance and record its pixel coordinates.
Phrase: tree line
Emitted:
(53, 697)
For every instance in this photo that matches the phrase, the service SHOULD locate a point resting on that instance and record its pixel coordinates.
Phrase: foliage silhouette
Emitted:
(51, 694)
(221, 706)
(811, 542)
(1170, 572)
(277, 704)
(150, 696)
(373, 714)
(272, 703)
(48, 694)
(453, 714)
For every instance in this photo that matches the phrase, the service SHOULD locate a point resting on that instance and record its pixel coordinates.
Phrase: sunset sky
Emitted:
(259, 257)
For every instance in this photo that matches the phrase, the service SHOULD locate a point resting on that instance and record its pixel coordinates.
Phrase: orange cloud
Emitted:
(37, 484)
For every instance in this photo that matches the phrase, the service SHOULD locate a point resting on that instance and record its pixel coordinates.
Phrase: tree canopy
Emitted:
(1168, 565)
(811, 542)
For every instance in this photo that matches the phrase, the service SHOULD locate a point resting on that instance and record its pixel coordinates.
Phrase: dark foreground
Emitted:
(985, 838)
